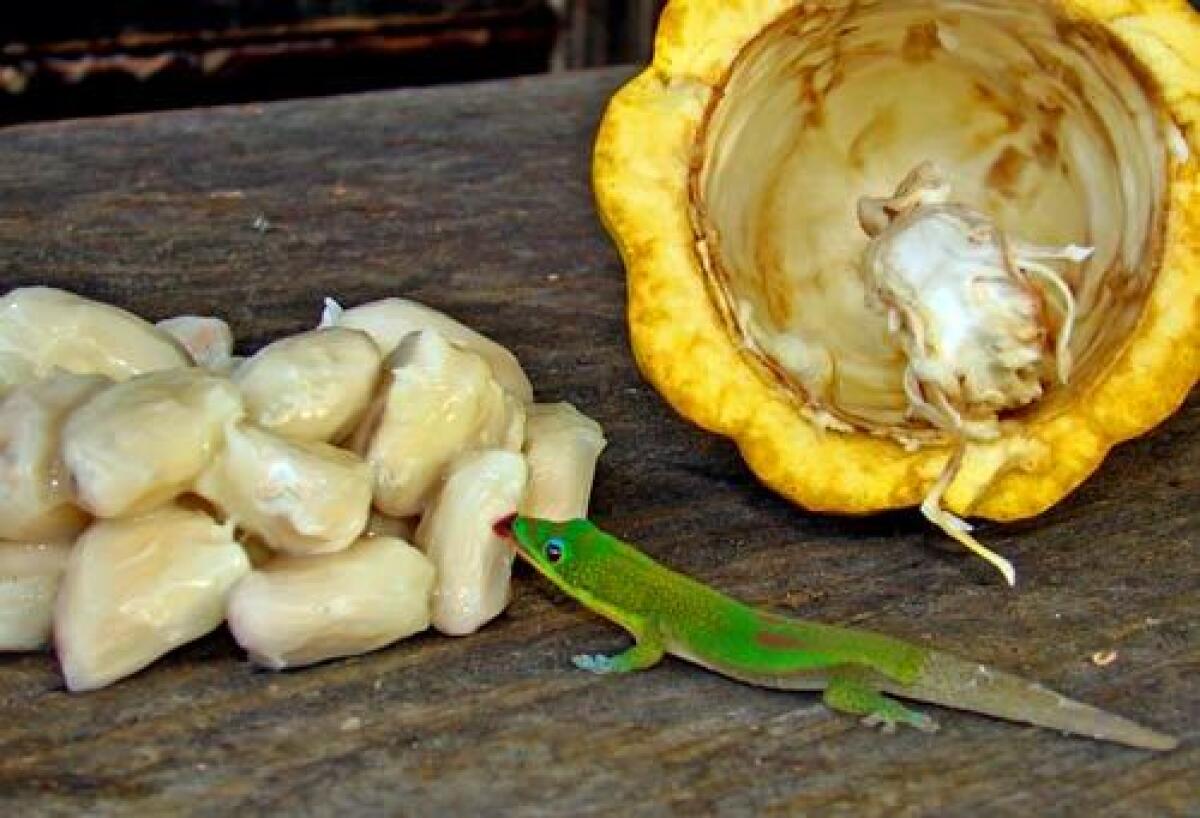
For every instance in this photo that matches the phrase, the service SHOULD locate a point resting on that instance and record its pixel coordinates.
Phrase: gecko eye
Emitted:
(554, 549)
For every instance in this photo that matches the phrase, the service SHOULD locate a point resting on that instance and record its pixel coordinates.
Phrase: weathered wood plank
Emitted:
(475, 199)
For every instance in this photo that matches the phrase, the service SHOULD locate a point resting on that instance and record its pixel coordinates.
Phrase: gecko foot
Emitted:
(850, 695)
(593, 662)
(887, 722)
(644, 653)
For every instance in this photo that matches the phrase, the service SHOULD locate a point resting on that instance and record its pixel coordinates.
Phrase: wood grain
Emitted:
(476, 200)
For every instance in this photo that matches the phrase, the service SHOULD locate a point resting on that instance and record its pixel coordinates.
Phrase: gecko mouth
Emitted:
(504, 526)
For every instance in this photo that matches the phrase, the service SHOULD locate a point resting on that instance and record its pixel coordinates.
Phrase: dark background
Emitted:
(67, 59)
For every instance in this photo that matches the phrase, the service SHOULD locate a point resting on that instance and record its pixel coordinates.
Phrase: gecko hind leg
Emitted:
(642, 654)
(860, 699)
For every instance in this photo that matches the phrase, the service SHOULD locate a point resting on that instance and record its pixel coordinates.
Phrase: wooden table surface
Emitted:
(476, 200)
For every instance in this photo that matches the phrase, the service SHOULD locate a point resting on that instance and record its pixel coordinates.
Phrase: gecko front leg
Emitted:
(646, 651)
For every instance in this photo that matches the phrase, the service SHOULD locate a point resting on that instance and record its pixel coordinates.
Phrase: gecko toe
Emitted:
(592, 662)
(888, 721)
(886, 725)
(923, 723)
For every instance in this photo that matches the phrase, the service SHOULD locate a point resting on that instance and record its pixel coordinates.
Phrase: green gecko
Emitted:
(667, 612)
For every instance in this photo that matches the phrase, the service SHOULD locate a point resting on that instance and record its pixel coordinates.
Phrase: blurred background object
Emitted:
(69, 58)
(604, 32)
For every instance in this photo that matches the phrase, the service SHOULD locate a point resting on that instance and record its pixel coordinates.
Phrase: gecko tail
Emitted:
(956, 683)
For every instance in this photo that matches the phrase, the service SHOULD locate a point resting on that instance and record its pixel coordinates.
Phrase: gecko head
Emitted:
(548, 546)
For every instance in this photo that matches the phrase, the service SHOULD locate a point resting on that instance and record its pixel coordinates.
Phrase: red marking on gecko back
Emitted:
(778, 641)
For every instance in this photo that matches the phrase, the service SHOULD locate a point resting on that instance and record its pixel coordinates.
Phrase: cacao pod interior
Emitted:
(1044, 124)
